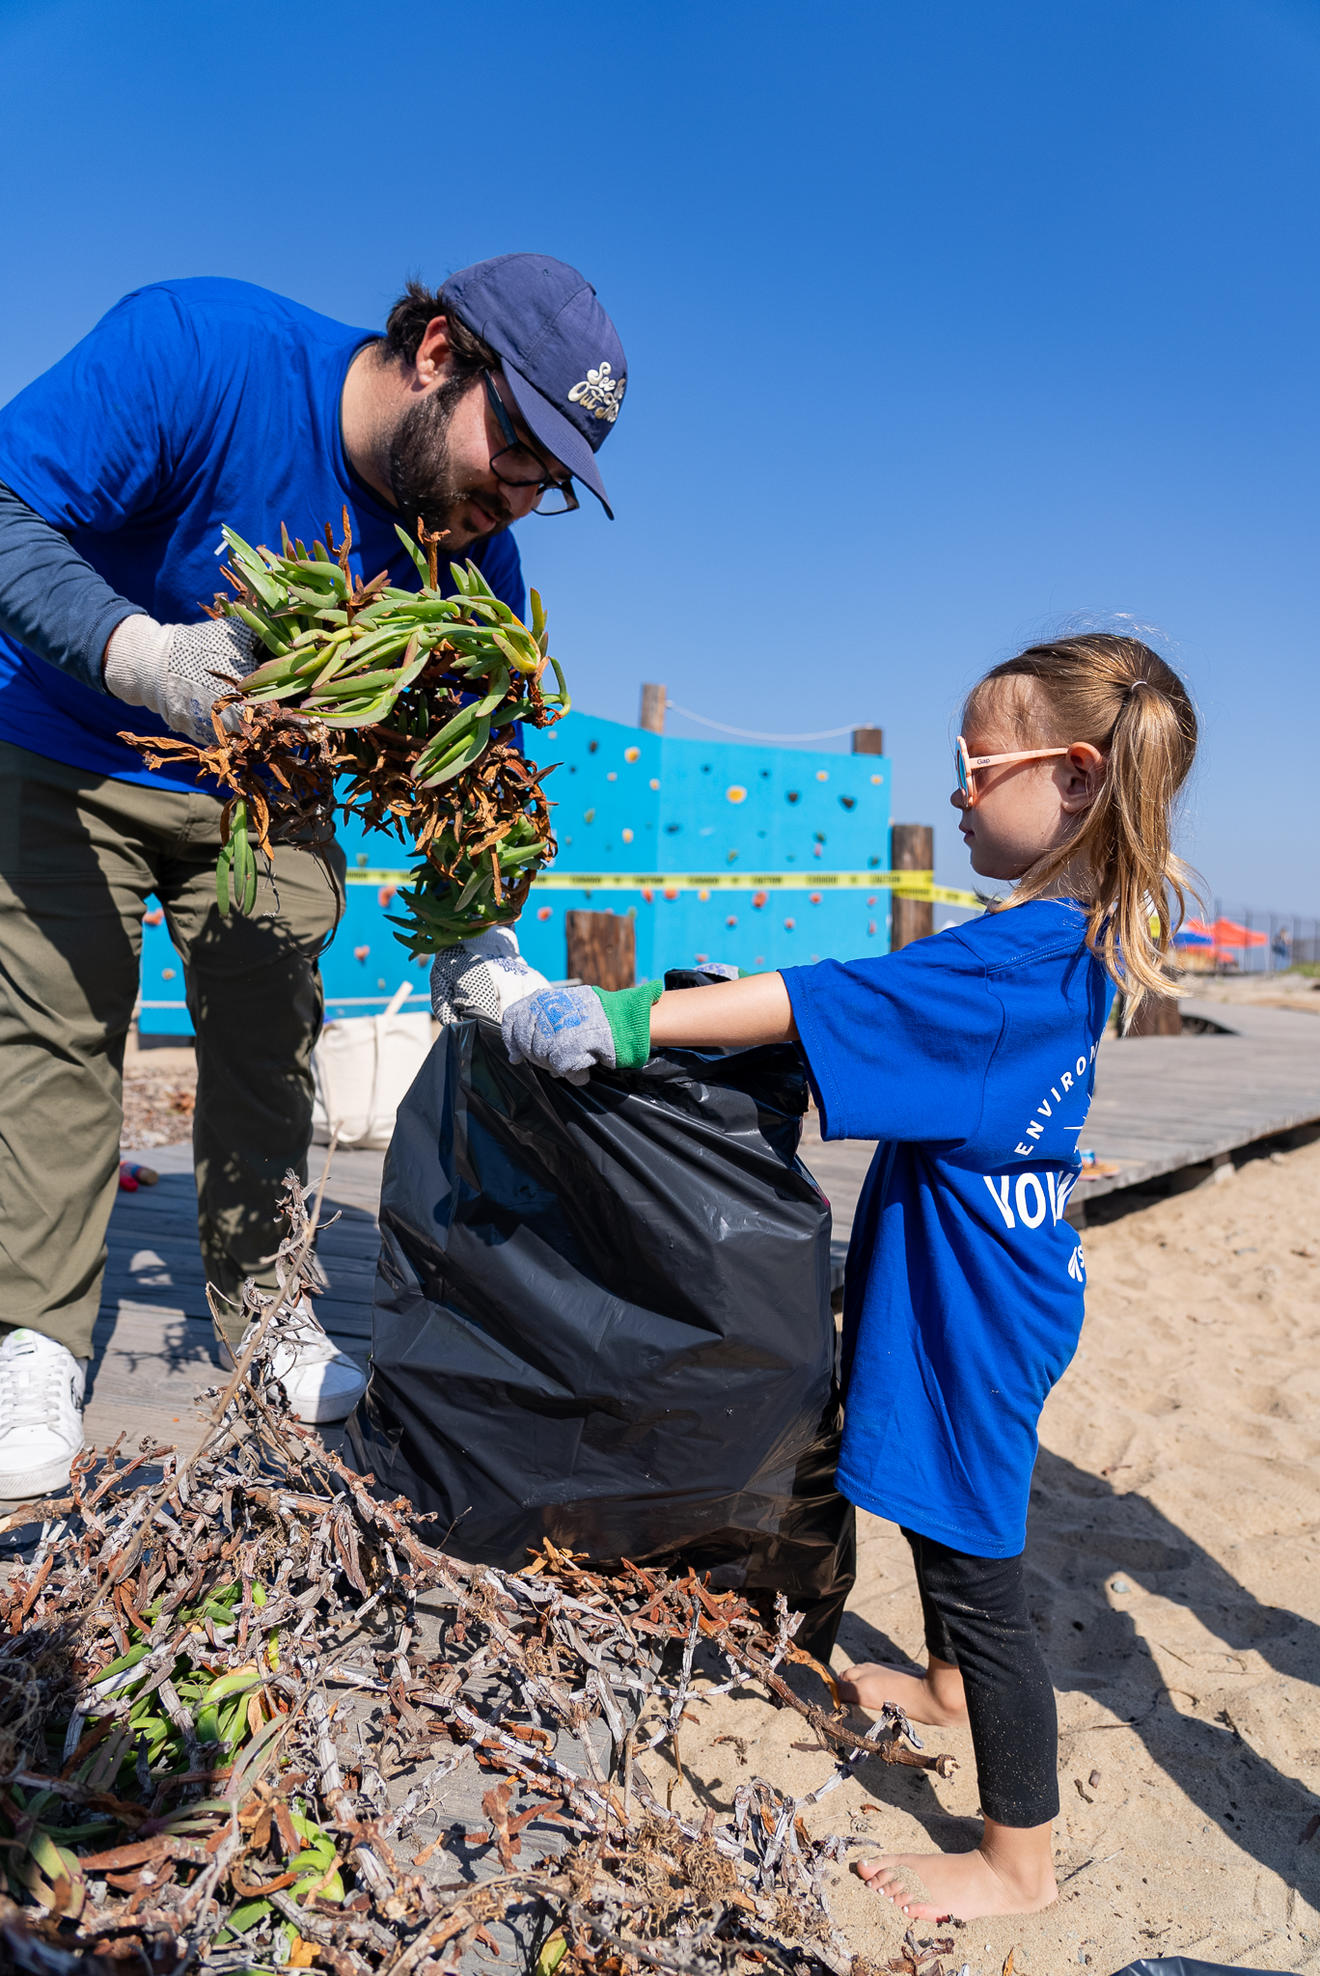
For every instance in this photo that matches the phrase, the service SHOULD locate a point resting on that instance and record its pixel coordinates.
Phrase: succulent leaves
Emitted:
(389, 705)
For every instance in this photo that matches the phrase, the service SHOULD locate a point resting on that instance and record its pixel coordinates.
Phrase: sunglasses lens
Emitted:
(960, 769)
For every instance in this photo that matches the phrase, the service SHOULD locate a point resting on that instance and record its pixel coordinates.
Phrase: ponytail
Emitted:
(1120, 696)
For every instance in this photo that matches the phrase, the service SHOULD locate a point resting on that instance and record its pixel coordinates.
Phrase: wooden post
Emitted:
(911, 848)
(602, 948)
(1157, 1015)
(652, 716)
(868, 740)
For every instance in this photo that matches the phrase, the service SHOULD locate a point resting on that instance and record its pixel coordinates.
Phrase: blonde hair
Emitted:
(1120, 696)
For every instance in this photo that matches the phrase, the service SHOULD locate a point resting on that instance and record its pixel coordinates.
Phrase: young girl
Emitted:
(970, 1056)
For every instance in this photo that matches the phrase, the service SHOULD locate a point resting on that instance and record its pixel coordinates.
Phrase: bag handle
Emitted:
(398, 998)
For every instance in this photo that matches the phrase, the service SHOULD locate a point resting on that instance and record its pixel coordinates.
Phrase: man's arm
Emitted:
(50, 599)
(56, 604)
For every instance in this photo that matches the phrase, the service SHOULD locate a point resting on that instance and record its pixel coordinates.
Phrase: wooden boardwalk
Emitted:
(1166, 1102)
(154, 1346)
(1161, 1104)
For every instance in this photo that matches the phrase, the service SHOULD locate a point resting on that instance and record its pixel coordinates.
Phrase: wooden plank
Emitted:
(166, 1256)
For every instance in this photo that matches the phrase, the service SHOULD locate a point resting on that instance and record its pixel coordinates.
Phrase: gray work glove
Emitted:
(564, 1031)
(180, 670)
(483, 976)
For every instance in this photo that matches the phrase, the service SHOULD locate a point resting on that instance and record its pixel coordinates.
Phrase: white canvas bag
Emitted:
(362, 1067)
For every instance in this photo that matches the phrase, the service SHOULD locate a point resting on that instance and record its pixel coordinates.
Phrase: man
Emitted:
(192, 404)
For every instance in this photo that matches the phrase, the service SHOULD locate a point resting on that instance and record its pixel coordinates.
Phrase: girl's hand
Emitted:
(562, 1030)
(572, 1031)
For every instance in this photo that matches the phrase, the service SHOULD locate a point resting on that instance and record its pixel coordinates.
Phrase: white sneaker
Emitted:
(323, 1383)
(41, 1403)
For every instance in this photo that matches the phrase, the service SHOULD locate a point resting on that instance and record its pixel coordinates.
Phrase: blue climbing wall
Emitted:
(635, 806)
(629, 802)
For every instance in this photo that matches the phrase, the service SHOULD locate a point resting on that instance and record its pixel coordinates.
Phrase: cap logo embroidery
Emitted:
(600, 393)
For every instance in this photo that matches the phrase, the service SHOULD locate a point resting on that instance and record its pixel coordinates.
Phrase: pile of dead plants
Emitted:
(234, 1690)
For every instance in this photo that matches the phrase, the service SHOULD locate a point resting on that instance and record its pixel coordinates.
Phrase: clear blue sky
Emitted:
(946, 323)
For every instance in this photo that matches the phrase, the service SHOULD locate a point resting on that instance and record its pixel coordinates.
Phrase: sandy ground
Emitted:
(1172, 1555)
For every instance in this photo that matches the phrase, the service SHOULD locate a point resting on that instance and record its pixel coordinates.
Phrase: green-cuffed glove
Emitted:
(572, 1031)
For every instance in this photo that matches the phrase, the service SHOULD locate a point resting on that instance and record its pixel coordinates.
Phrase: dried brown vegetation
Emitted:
(237, 1692)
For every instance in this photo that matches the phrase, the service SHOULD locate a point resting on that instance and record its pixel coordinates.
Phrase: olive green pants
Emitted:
(79, 856)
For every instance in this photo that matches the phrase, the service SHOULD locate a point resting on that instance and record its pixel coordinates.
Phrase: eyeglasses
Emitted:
(965, 765)
(518, 465)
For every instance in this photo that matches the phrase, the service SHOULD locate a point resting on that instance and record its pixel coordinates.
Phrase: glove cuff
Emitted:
(135, 656)
(628, 1013)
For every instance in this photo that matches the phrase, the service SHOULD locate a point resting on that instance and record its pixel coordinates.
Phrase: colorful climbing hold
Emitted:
(360, 953)
(731, 919)
(627, 836)
(385, 895)
(790, 924)
(822, 775)
(588, 816)
(655, 782)
(544, 912)
(759, 899)
(814, 899)
(155, 917)
(736, 793)
(632, 754)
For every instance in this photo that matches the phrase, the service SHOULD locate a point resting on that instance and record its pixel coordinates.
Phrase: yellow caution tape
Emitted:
(907, 884)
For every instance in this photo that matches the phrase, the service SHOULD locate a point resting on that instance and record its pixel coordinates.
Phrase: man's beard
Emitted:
(422, 475)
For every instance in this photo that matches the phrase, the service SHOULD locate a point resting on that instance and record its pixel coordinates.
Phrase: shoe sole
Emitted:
(36, 1482)
(325, 1411)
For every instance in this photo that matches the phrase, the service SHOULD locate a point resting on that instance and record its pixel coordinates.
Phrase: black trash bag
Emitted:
(1184, 1965)
(602, 1317)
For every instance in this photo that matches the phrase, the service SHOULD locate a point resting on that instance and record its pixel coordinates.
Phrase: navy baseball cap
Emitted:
(558, 349)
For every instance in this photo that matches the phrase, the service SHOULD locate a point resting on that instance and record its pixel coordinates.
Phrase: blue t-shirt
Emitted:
(970, 1056)
(192, 403)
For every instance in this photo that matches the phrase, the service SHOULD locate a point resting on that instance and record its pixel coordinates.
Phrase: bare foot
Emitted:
(935, 1697)
(964, 1885)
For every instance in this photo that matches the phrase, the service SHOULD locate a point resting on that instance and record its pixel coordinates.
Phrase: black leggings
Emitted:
(975, 1609)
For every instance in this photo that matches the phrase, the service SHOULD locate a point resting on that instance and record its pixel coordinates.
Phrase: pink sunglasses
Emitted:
(965, 765)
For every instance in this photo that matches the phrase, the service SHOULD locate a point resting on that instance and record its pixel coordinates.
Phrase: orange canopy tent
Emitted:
(1227, 933)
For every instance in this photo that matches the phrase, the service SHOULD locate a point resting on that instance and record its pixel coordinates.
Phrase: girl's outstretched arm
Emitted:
(731, 1015)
